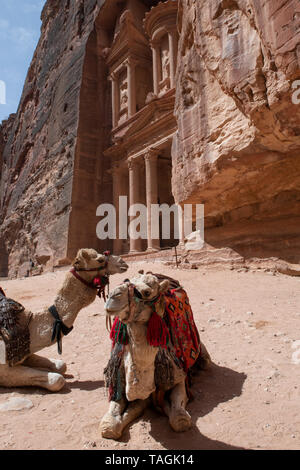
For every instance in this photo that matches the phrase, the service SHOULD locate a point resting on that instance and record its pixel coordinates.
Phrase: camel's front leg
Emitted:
(180, 420)
(39, 362)
(116, 419)
(22, 376)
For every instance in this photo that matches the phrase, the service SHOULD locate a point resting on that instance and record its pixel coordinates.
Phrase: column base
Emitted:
(152, 250)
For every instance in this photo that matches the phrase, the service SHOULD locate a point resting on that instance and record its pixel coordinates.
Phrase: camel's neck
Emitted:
(139, 363)
(71, 298)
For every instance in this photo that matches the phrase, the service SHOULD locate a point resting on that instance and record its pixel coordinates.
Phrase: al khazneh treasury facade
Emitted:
(142, 68)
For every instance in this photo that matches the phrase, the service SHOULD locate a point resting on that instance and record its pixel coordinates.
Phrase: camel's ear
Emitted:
(164, 286)
(81, 259)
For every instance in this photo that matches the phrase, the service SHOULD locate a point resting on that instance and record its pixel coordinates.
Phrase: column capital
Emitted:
(151, 154)
(112, 77)
(115, 168)
(172, 29)
(130, 62)
(154, 43)
(132, 163)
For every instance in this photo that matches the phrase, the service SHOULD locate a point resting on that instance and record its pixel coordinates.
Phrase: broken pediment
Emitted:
(152, 113)
(129, 41)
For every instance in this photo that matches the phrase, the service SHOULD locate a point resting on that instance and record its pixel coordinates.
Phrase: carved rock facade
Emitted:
(160, 101)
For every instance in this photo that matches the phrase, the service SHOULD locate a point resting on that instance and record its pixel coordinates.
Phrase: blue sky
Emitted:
(19, 34)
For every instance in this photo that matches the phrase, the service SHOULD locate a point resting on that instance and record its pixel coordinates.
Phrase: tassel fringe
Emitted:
(157, 332)
(119, 333)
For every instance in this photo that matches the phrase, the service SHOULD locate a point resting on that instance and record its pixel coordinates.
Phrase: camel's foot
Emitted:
(55, 382)
(116, 419)
(52, 365)
(23, 376)
(58, 366)
(180, 420)
(111, 427)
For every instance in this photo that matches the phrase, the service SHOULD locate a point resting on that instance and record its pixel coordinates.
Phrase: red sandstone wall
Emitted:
(237, 147)
(38, 159)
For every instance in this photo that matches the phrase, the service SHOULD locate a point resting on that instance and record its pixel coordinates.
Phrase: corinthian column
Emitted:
(151, 195)
(131, 87)
(173, 47)
(156, 67)
(115, 100)
(117, 177)
(134, 178)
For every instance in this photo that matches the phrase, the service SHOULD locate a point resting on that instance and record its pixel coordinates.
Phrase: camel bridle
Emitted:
(136, 302)
(98, 283)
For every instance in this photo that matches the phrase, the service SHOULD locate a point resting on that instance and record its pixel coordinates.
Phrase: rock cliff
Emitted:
(39, 155)
(238, 141)
(236, 149)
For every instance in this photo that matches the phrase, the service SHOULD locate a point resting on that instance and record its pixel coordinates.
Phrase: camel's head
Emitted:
(131, 301)
(92, 263)
(136, 304)
(115, 264)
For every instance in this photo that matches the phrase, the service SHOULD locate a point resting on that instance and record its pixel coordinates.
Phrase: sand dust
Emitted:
(250, 399)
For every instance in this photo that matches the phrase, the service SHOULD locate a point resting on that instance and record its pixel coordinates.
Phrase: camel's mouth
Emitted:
(123, 312)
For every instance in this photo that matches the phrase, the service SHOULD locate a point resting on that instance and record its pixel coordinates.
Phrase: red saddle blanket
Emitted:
(184, 335)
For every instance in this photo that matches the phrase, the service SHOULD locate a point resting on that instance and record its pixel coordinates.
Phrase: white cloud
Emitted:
(2, 92)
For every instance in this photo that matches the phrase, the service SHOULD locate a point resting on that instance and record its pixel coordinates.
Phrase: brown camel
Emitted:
(141, 367)
(23, 333)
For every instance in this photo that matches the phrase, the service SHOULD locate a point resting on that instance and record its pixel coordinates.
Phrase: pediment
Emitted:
(129, 40)
(150, 115)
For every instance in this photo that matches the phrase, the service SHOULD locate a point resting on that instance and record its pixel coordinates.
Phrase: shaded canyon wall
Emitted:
(39, 153)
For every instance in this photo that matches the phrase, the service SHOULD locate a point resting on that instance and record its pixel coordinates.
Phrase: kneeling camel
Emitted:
(23, 333)
(150, 360)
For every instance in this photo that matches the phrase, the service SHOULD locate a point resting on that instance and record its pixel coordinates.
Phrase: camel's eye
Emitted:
(146, 293)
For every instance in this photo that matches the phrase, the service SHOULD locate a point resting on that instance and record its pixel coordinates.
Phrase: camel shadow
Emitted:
(209, 389)
(87, 385)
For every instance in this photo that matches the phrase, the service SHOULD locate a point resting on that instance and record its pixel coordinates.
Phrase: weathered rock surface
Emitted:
(40, 153)
(16, 404)
(238, 142)
(236, 150)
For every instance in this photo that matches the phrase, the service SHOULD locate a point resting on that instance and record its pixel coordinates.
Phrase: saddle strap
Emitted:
(58, 328)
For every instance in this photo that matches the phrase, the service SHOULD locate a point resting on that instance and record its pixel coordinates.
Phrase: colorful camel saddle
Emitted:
(184, 336)
(182, 345)
(13, 333)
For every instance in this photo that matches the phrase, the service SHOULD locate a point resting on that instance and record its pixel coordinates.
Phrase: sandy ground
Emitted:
(249, 399)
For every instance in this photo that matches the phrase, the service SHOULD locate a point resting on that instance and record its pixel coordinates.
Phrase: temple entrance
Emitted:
(144, 179)
(142, 63)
